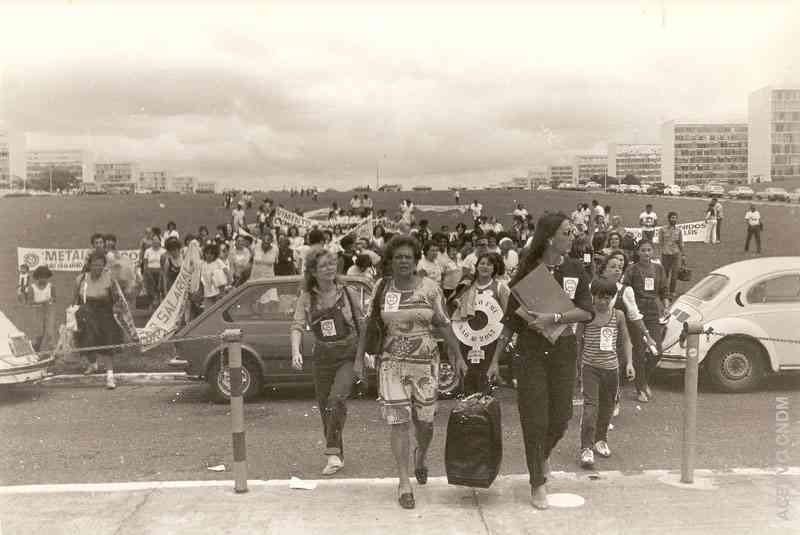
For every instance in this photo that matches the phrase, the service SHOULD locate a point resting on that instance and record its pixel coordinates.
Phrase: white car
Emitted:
(633, 188)
(692, 191)
(752, 306)
(742, 192)
(672, 189)
(715, 191)
(19, 363)
(543, 187)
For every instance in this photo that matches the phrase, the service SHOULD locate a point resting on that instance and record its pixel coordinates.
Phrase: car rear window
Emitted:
(708, 288)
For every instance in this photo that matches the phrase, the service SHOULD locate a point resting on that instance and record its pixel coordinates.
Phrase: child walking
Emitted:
(42, 295)
(597, 346)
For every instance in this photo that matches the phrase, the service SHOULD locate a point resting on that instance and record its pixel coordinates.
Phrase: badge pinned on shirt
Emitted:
(328, 327)
(649, 284)
(587, 258)
(607, 338)
(391, 302)
(570, 286)
(476, 355)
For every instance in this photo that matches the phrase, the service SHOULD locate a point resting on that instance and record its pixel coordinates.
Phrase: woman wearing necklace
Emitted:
(411, 309)
(546, 372)
(334, 316)
(487, 270)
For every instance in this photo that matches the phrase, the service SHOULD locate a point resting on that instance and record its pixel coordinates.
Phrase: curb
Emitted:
(99, 379)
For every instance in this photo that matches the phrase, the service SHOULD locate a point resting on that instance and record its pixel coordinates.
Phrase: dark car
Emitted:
(656, 188)
(263, 310)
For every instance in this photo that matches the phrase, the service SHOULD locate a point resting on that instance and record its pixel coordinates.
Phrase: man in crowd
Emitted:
(719, 213)
(672, 254)
(648, 220)
(754, 228)
(477, 209)
(237, 217)
(470, 261)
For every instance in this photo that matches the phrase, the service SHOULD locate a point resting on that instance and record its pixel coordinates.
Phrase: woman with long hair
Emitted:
(412, 314)
(333, 314)
(488, 271)
(241, 260)
(170, 264)
(378, 241)
(286, 265)
(546, 372)
(650, 287)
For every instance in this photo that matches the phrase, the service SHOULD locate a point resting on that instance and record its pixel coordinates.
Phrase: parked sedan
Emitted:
(753, 307)
(672, 189)
(692, 191)
(794, 196)
(263, 310)
(715, 192)
(742, 192)
(773, 194)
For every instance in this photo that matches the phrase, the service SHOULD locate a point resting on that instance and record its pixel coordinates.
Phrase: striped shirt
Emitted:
(600, 344)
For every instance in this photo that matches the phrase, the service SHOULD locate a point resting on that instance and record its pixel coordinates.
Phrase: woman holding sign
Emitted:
(476, 320)
(546, 372)
(326, 306)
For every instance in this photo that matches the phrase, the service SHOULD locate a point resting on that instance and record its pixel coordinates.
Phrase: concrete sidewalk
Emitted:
(722, 503)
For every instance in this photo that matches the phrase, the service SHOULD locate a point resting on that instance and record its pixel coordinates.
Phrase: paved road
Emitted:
(137, 433)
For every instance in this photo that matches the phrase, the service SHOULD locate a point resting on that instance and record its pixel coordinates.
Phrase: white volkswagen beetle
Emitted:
(753, 307)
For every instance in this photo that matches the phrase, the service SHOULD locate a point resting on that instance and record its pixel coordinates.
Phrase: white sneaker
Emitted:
(602, 449)
(110, 384)
(90, 369)
(334, 465)
(616, 409)
(587, 458)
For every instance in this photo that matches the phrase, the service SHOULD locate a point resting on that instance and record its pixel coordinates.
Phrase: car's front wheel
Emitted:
(219, 379)
(736, 365)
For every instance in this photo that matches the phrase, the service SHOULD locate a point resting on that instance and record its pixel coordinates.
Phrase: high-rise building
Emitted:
(773, 117)
(591, 167)
(41, 163)
(640, 161)
(183, 184)
(561, 173)
(154, 180)
(117, 177)
(695, 153)
(206, 187)
(5, 161)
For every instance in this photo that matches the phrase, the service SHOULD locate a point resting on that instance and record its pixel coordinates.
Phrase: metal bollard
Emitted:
(233, 339)
(692, 332)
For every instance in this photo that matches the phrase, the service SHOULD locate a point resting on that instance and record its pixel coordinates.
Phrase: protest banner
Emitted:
(318, 213)
(62, 259)
(285, 217)
(693, 232)
(438, 208)
(167, 317)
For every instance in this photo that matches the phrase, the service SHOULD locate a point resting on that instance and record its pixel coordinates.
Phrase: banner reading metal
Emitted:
(62, 259)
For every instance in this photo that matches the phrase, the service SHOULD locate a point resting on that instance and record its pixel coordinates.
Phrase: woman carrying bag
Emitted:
(407, 313)
(334, 316)
(546, 371)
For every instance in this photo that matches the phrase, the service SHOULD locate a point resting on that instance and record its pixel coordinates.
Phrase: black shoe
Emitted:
(406, 500)
(420, 473)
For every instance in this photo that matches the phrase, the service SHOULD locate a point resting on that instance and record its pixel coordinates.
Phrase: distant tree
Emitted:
(63, 179)
(631, 179)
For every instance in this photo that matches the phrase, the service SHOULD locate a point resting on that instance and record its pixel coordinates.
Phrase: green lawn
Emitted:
(73, 220)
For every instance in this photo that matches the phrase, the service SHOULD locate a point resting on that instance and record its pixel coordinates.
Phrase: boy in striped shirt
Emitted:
(597, 350)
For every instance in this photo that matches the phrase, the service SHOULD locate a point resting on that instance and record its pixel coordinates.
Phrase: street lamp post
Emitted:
(51, 179)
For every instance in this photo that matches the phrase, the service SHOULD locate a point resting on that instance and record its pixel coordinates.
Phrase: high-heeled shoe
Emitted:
(420, 473)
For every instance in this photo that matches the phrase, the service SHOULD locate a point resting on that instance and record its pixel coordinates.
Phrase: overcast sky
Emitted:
(446, 92)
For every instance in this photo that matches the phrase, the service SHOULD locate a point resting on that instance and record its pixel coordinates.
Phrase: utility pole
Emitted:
(377, 175)
(51, 179)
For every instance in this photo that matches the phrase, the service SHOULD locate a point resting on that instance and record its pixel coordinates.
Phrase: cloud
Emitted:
(309, 92)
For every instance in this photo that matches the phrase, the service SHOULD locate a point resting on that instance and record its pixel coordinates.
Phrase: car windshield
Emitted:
(708, 288)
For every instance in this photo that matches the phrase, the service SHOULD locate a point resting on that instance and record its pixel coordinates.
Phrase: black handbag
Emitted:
(474, 445)
(374, 332)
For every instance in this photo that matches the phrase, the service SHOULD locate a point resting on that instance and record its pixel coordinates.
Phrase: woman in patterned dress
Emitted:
(411, 310)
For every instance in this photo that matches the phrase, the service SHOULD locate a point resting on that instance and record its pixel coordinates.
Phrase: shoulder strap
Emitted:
(375, 312)
(346, 291)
